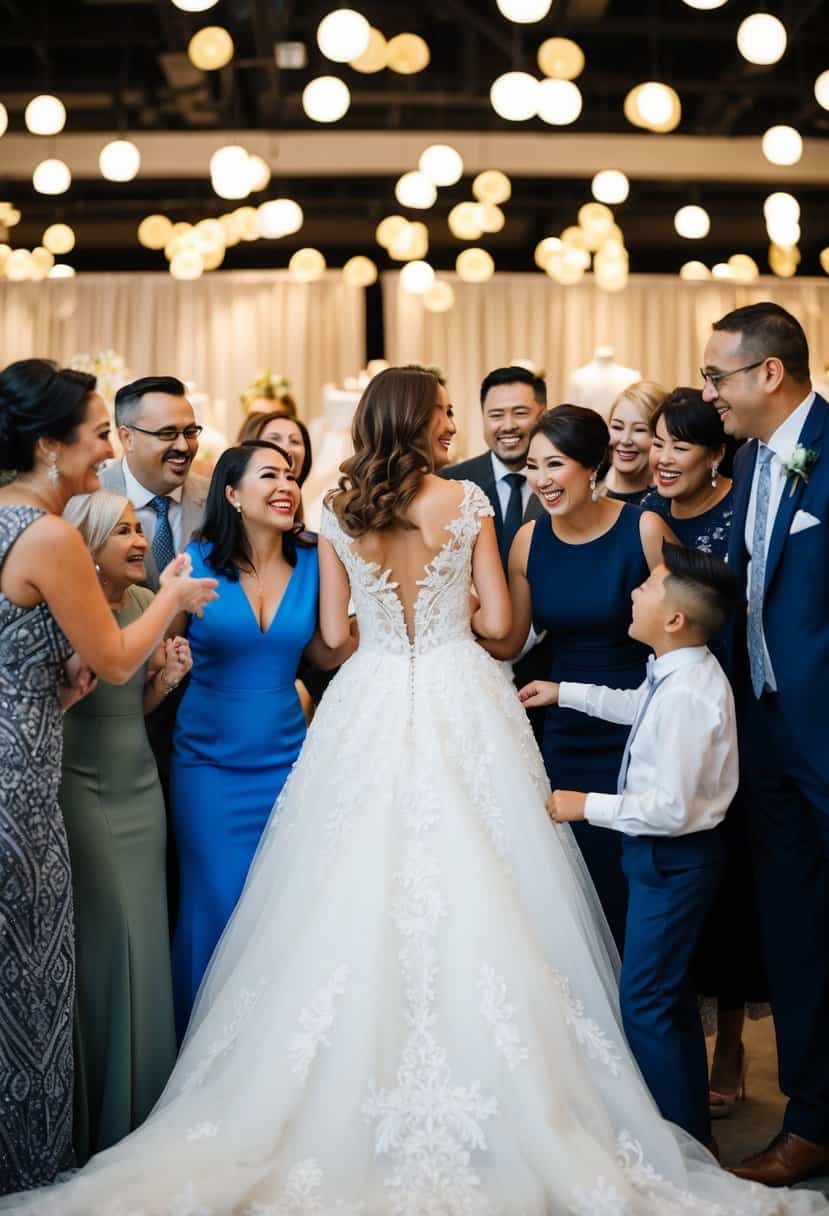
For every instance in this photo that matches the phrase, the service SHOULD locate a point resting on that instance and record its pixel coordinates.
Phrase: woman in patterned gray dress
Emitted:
(55, 628)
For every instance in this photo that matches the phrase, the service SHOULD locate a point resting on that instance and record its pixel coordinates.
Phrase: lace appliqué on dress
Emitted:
(301, 1196)
(315, 1021)
(244, 1004)
(500, 1013)
(589, 1034)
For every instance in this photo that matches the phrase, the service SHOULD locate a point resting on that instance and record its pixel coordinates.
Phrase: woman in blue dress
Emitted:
(240, 725)
(571, 573)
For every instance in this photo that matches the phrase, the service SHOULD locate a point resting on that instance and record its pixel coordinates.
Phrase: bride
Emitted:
(414, 1008)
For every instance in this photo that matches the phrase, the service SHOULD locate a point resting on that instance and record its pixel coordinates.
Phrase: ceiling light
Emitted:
(824, 259)
(784, 262)
(654, 106)
(565, 266)
(780, 205)
(360, 272)
(61, 270)
(784, 232)
(440, 297)
(376, 55)
(694, 271)
(45, 115)
(782, 145)
(230, 171)
(4, 119)
(119, 160)
(410, 243)
(474, 266)
(821, 89)
(465, 222)
(705, 6)
(524, 11)
(233, 234)
(415, 190)
(307, 265)
(343, 35)
(596, 221)
(545, 250)
(492, 186)
(389, 228)
(721, 270)
(52, 177)
(189, 264)
(561, 58)
(326, 99)
(407, 54)
(692, 222)
(490, 217)
(441, 164)
(154, 232)
(210, 236)
(19, 265)
(260, 173)
(213, 258)
(279, 217)
(559, 102)
(59, 238)
(195, 6)
(514, 96)
(761, 38)
(610, 186)
(248, 221)
(210, 48)
(417, 277)
(743, 268)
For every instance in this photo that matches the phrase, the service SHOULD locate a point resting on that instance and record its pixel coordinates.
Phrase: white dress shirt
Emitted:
(783, 442)
(140, 497)
(503, 487)
(683, 766)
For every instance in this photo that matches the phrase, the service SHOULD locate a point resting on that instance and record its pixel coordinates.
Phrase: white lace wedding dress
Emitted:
(414, 1008)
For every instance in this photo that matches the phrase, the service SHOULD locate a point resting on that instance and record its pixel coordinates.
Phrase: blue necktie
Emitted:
(514, 514)
(757, 580)
(163, 548)
(653, 684)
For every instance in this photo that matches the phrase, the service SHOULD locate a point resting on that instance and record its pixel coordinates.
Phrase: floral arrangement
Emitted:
(270, 385)
(108, 368)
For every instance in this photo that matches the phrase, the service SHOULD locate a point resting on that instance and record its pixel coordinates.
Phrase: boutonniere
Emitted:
(799, 465)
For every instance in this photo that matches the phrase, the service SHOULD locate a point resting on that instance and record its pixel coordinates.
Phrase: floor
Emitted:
(753, 1123)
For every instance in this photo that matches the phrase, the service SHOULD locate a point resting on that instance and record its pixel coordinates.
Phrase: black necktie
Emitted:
(514, 514)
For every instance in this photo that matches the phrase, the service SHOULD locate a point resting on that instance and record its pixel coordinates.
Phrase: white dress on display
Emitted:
(413, 1011)
(331, 444)
(599, 382)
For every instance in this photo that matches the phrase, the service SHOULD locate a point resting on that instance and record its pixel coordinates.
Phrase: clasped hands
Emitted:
(177, 661)
(563, 806)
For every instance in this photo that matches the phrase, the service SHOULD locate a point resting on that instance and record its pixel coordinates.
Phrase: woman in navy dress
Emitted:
(689, 445)
(240, 725)
(571, 573)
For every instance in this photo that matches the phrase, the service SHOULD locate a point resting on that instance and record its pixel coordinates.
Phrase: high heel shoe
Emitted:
(720, 1103)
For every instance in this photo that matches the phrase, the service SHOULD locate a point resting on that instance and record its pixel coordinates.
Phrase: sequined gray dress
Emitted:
(36, 936)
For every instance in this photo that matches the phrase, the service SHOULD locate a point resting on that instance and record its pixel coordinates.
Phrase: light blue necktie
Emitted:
(163, 548)
(756, 649)
(653, 684)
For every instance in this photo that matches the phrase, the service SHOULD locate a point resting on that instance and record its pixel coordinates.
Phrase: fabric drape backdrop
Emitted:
(658, 324)
(220, 331)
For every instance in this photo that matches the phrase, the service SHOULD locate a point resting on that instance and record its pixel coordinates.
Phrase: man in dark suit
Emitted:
(757, 375)
(512, 401)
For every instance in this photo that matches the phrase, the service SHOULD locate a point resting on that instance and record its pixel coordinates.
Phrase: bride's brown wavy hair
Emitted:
(392, 452)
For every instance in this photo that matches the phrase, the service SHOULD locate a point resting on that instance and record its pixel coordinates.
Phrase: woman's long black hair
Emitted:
(223, 528)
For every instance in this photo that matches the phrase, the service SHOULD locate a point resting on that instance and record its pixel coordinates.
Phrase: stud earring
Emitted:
(594, 493)
(237, 506)
(714, 473)
(52, 471)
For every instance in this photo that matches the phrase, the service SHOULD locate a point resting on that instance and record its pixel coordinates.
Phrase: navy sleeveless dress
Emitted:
(581, 597)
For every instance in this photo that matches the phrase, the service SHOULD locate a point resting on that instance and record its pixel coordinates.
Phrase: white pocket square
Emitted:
(802, 521)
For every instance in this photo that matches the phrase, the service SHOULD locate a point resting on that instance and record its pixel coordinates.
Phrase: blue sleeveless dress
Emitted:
(581, 596)
(239, 730)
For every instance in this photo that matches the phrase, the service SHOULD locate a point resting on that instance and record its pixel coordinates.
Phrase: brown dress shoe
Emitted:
(787, 1160)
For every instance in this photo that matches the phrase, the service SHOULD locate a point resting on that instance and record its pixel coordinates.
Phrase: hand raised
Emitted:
(192, 594)
(538, 693)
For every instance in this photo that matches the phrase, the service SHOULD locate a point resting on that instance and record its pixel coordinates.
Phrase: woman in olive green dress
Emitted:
(124, 1034)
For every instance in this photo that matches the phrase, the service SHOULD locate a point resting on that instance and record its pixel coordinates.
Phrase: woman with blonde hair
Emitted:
(113, 808)
(629, 477)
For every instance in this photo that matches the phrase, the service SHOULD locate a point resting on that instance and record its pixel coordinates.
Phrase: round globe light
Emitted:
(653, 106)
(45, 115)
(415, 190)
(761, 38)
(441, 164)
(561, 58)
(524, 12)
(360, 272)
(492, 186)
(119, 160)
(291, 216)
(4, 119)
(59, 238)
(721, 270)
(417, 277)
(744, 269)
(692, 222)
(474, 265)
(705, 6)
(694, 272)
(343, 35)
(230, 171)
(260, 173)
(824, 259)
(154, 231)
(61, 270)
(188, 264)
(410, 243)
(566, 267)
(781, 206)
(210, 236)
(822, 89)
(784, 232)
(559, 102)
(545, 250)
(596, 221)
(326, 99)
(376, 55)
(490, 217)
(248, 222)
(610, 186)
(440, 297)
(213, 258)
(784, 262)
(307, 265)
(465, 222)
(612, 276)
(43, 259)
(514, 96)
(210, 49)
(52, 177)
(389, 228)
(19, 265)
(782, 146)
(407, 54)
(195, 6)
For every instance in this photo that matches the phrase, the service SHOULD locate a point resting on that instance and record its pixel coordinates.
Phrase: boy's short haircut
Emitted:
(703, 586)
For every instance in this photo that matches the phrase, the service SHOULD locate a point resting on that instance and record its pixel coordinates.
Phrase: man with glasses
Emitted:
(756, 374)
(160, 438)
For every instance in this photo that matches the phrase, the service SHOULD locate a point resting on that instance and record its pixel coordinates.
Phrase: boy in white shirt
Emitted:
(677, 779)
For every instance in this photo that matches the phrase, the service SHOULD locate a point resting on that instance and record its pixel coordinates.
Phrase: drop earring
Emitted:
(594, 493)
(714, 473)
(52, 470)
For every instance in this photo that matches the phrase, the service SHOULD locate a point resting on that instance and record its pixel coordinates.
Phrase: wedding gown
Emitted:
(414, 1008)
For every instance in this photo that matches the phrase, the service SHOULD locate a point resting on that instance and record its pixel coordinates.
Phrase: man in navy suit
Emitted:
(757, 375)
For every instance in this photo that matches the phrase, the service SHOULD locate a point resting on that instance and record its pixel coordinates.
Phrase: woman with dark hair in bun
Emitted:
(571, 574)
(54, 434)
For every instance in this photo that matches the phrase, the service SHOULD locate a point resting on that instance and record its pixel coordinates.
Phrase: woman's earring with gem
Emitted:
(714, 473)
(52, 470)
(594, 493)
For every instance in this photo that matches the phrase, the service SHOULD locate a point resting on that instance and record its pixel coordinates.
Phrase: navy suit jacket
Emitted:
(796, 599)
(479, 469)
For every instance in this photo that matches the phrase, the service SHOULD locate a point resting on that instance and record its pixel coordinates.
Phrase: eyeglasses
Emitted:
(715, 379)
(169, 434)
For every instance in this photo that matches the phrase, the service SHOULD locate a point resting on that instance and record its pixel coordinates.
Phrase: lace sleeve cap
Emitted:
(478, 503)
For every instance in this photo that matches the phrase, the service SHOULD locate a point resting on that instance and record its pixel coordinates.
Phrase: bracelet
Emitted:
(166, 685)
